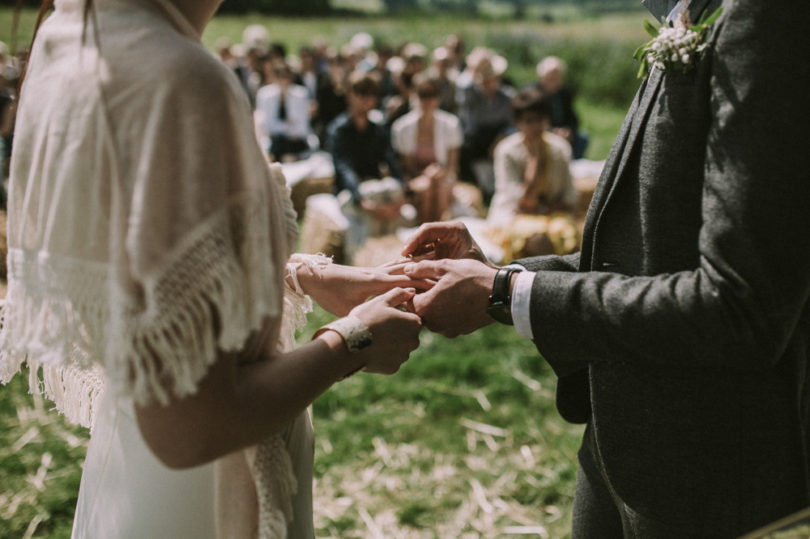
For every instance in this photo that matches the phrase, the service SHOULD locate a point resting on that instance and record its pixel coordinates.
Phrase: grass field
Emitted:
(463, 442)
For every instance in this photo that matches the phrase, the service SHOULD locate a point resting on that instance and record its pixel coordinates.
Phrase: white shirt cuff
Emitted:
(521, 298)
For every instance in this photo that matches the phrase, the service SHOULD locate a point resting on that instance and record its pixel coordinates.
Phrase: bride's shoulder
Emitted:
(156, 61)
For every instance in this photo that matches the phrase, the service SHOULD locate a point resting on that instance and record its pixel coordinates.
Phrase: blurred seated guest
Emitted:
(399, 104)
(564, 121)
(256, 41)
(455, 52)
(225, 51)
(362, 45)
(256, 37)
(8, 114)
(532, 176)
(444, 73)
(413, 54)
(385, 53)
(486, 116)
(310, 77)
(427, 141)
(308, 74)
(368, 182)
(282, 116)
(331, 94)
(466, 75)
(277, 51)
(255, 72)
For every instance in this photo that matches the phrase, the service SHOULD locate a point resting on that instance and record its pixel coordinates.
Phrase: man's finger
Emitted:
(407, 281)
(424, 239)
(421, 306)
(420, 284)
(426, 269)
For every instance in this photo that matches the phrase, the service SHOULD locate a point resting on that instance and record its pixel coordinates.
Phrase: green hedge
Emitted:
(601, 70)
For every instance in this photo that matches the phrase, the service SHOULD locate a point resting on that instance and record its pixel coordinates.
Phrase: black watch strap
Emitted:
(500, 301)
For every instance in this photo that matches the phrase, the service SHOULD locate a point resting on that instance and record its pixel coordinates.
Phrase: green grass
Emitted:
(40, 465)
(601, 123)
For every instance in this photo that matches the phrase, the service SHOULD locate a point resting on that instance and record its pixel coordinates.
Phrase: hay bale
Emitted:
(302, 190)
(378, 251)
(323, 229)
(468, 201)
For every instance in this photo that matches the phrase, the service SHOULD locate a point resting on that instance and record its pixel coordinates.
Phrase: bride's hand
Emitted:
(338, 288)
(395, 331)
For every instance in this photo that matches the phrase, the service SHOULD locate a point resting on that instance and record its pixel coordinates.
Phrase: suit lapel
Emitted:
(625, 144)
(696, 7)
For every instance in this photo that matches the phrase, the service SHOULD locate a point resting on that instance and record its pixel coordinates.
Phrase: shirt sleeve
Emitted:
(521, 298)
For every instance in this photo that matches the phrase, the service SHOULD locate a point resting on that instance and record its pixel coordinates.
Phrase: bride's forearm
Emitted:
(239, 405)
(248, 395)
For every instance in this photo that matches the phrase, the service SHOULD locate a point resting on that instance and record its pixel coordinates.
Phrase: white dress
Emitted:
(126, 493)
(141, 216)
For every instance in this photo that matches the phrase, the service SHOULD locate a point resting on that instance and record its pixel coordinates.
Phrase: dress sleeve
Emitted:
(202, 235)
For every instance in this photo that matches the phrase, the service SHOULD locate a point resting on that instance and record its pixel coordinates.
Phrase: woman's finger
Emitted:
(397, 296)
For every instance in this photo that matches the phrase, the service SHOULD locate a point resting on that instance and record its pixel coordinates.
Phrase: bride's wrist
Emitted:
(307, 277)
(305, 271)
(343, 357)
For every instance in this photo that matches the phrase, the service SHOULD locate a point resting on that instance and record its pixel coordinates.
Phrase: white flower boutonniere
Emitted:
(675, 46)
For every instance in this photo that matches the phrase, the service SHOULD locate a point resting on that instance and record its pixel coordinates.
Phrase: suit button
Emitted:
(607, 266)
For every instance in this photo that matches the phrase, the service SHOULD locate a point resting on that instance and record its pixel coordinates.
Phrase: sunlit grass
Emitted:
(40, 465)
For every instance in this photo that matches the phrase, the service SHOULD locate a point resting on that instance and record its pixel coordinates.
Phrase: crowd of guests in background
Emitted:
(406, 126)
(11, 65)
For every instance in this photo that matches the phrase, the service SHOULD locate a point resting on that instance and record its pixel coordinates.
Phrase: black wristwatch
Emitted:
(500, 301)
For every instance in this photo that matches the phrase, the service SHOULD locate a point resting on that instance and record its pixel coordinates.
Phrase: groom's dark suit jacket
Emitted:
(681, 331)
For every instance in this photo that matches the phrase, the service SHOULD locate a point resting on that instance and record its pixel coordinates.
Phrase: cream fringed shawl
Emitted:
(146, 230)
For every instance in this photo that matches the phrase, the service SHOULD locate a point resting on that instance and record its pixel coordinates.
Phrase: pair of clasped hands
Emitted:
(443, 282)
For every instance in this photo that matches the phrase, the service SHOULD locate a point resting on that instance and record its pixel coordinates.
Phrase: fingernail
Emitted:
(410, 290)
(408, 268)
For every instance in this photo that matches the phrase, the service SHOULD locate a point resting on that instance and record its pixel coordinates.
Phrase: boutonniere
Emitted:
(674, 46)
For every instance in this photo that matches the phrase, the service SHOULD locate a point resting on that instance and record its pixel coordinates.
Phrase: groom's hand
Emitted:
(457, 304)
(444, 240)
